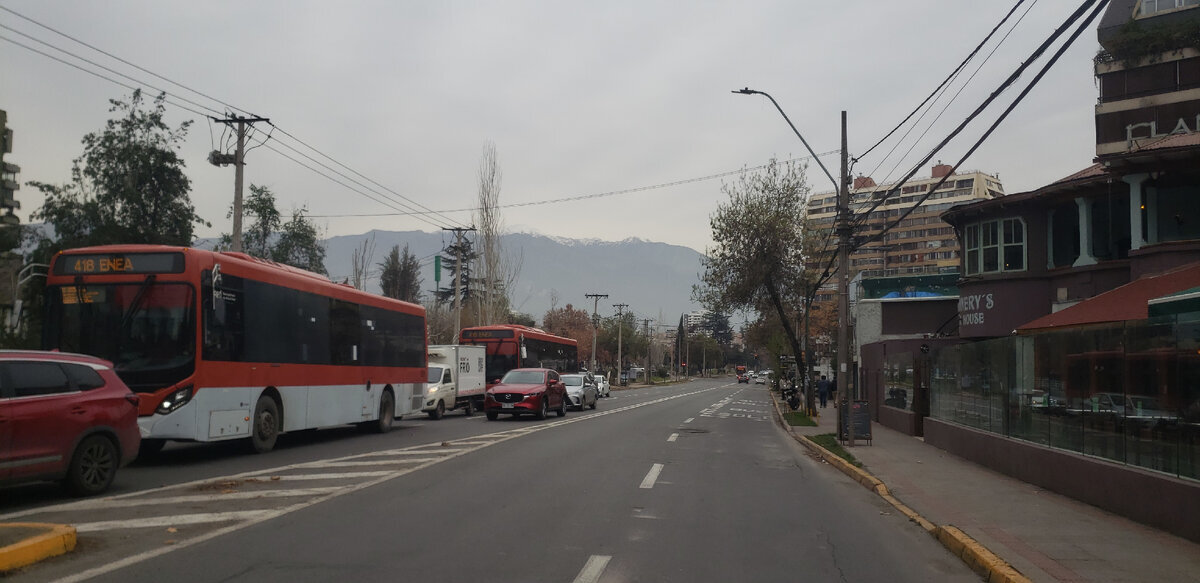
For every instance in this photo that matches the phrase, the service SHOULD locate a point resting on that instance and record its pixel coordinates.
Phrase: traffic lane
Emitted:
(182, 462)
(512, 511)
(547, 506)
(753, 506)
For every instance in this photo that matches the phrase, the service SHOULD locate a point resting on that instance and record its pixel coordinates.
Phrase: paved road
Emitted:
(692, 482)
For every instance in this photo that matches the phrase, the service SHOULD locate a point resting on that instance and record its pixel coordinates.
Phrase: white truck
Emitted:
(456, 380)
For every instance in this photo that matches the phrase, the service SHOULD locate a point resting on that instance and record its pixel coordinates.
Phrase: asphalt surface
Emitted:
(694, 482)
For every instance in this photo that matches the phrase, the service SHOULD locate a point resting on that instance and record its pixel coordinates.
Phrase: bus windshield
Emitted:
(148, 330)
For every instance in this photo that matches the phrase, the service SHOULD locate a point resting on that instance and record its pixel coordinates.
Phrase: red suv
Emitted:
(526, 390)
(65, 417)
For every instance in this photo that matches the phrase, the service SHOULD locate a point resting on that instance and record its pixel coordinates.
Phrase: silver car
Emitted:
(581, 390)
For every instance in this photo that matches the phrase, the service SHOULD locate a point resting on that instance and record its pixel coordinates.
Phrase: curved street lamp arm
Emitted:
(749, 91)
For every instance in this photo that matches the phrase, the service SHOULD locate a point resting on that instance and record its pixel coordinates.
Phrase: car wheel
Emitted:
(437, 413)
(264, 426)
(469, 408)
(387, 414)
(594, 403)
(491, 415)
(93, 466)
(543, 409)
(562, 407)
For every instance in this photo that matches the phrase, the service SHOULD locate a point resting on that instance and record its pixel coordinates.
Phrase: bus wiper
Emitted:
(136, 304)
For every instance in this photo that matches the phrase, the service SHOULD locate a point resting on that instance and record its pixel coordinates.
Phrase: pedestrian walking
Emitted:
(823, 390)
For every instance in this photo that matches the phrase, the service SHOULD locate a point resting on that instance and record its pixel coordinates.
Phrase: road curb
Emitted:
(973, 554)
(38, 541)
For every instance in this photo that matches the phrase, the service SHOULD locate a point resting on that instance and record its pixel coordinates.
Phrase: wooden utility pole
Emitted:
(620, 328)
(595, 322)
(844, 232)
(649, 344)
(238, 159)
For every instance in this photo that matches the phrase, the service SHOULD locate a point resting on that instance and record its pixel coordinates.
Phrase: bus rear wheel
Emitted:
(264, 425)
(387, 415)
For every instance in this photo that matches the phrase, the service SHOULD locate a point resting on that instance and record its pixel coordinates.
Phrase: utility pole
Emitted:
(649, 343)
(595, 322)
(458, 265)
(620, 328)
(844, 232)
(238, 159)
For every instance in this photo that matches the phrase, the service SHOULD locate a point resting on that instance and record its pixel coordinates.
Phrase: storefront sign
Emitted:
(1149, 129)
(973, 309)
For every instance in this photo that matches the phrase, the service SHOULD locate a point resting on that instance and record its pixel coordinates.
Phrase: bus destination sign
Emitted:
(118, 263)
(486, 334)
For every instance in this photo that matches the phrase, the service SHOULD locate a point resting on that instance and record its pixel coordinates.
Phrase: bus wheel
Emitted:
(387, 414)
(469, 408)
(264, 428)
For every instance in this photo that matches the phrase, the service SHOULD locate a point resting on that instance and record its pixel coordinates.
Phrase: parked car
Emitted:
(526, 391)
(603, 388)
(581, 390)
(64, 417)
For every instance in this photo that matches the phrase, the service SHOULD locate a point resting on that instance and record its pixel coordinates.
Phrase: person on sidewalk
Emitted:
(823, 390)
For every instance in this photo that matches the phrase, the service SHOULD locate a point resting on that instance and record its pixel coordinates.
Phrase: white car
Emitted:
(761, 379)
(602, 386)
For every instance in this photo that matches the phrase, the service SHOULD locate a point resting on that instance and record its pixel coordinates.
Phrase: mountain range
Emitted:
(651, 278)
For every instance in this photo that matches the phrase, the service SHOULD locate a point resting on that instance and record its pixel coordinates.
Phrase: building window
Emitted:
(995, 246)
(1152, 7)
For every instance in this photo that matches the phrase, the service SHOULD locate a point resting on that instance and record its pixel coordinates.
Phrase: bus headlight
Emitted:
(175, 400)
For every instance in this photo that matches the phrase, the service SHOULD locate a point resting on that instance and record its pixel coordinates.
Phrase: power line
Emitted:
(596, 195)
(411, 203)
(948, 78)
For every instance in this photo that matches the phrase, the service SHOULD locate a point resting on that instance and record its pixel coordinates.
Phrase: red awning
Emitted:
(1128, 302)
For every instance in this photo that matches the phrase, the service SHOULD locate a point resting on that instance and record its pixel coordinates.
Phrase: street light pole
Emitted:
(844, 229)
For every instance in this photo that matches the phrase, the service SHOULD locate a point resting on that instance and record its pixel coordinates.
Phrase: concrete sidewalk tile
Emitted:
(29, 542)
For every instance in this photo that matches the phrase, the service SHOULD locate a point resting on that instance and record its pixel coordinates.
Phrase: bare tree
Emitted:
(497, 272)
(363, 254)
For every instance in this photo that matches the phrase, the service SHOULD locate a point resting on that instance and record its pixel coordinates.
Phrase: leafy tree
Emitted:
(522, 319)
(300, 244)
(400, 275)
(265, 221)
(450, 262)
(758, 262)
(571, 322)
(718, 324)
(128, 186)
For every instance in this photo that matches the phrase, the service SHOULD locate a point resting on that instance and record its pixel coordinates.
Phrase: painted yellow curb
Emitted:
(975, 555)
(51, 540)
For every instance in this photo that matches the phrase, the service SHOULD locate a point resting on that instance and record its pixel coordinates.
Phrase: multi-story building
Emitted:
(922, 243)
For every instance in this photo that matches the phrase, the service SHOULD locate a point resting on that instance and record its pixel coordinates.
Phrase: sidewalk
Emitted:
(1044, 536)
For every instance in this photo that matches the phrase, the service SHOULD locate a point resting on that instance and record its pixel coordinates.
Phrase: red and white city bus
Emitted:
(512, 346)
(227, 346)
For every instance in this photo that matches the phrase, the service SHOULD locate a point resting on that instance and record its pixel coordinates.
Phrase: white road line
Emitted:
(593, 569)
(673, 437)
(180, 519)
(238, 495)
(383, 462)
(333, 476)
(652, 476)
(689, 419)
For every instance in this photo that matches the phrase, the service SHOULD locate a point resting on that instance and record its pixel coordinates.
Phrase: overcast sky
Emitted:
(579, 98)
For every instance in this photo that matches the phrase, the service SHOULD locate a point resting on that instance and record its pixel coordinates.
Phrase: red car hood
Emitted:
(524, 389)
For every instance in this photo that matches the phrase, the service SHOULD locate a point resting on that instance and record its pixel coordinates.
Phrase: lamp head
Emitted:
(745, 91)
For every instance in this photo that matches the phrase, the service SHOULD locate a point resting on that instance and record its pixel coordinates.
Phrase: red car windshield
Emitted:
(524, 377)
